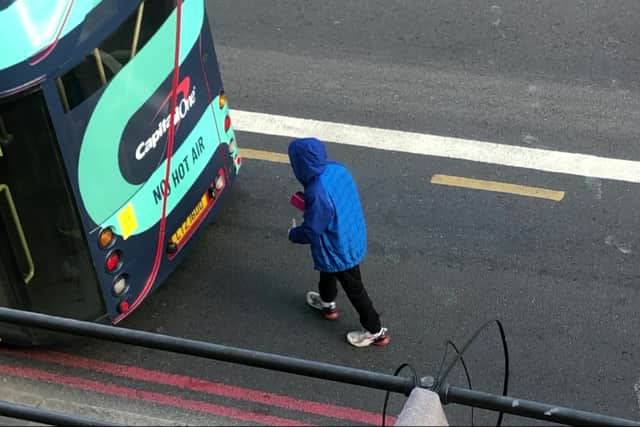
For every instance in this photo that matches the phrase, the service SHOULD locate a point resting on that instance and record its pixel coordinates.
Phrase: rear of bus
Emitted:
(85, 117)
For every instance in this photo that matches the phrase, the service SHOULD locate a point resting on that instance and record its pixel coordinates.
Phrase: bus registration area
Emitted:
(194, 218)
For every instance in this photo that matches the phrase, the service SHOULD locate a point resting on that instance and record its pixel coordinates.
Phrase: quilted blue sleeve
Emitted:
(318, 213)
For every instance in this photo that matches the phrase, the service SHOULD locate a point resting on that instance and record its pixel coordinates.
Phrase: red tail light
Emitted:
(227, 123)
(113, 261)
(123, 307)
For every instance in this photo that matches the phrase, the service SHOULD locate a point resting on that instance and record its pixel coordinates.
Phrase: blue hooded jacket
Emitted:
(333, 221)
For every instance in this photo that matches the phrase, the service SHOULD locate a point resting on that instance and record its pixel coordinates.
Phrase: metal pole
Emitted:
(528, 408)
(136, 30)
(448, 394)
(44, 416)
(100, 65)
(212, 351)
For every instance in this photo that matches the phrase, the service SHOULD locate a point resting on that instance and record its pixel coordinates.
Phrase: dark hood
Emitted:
(308, 158)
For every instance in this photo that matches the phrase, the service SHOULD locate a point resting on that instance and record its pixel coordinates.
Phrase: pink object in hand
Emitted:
(297, 200)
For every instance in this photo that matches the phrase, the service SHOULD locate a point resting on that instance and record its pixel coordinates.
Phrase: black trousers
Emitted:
(351, 282)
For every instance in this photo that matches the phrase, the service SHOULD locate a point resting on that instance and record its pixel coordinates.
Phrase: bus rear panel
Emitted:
(108, 113)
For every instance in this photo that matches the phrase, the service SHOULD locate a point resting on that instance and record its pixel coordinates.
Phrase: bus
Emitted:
(116, 150)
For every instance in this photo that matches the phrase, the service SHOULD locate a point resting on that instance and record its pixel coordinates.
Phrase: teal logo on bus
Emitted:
(144, 139)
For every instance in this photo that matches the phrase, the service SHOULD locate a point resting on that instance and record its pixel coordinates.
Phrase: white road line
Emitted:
(440, 146)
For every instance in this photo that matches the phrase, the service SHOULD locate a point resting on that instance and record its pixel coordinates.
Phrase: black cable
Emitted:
(439, 381)
(444, 359)
(466, 371)
(442, 376)
(416, 379)
(416, 383)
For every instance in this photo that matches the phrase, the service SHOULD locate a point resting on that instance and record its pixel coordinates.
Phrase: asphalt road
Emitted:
(561, 276)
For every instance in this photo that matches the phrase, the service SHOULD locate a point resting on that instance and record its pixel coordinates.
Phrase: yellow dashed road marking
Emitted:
(248, 153)
(454, 181)
(500, 187)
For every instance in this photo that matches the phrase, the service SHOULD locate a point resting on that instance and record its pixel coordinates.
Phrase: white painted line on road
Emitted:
(440, 146)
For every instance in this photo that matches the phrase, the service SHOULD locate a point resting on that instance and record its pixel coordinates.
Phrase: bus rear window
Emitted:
(104, 62)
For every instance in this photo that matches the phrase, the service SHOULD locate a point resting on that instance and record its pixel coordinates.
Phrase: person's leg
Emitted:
(328, 287)
(324, 301)
(351, 281)
(373, 332)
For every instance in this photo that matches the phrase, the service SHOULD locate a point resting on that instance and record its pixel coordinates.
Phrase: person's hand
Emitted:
(293, 225)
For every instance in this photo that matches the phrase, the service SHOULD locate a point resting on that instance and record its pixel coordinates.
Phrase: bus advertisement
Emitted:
(116, 149)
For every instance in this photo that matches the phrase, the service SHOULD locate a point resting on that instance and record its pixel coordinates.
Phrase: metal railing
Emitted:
(448, 393)
(45, 416)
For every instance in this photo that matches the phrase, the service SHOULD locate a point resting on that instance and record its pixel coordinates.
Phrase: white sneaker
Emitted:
(328, 310)
(365, 338)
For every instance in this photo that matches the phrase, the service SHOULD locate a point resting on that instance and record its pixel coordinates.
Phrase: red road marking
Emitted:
(166, 399)
(200, 385)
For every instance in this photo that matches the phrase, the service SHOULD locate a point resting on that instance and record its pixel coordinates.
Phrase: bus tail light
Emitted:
(222, 99)
(105, 238)
(113, 261)
(233, 146)
(217, 185)
(227, 123)
(119, 285)
(219, 182)
(172, 247)
(123, 306)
